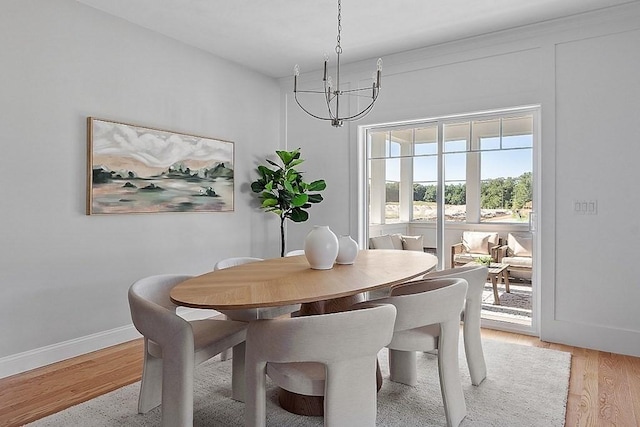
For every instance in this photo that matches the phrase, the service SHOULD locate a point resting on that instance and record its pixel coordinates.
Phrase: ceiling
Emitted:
(272, 36)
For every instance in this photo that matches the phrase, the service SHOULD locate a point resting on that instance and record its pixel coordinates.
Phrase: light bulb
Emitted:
(379, 64)
(296, 70)
(329, 81)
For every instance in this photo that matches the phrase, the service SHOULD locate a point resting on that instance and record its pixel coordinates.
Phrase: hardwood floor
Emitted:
(604, 388)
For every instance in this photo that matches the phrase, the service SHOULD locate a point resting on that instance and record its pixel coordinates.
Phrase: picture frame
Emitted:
(137, 169)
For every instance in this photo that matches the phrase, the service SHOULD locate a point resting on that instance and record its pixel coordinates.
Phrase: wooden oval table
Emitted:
(290, 280)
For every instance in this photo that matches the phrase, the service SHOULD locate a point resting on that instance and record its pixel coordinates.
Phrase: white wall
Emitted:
(65, 275)
(583, 71)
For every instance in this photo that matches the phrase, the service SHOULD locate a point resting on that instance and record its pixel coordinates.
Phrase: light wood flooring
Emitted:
(604, 388)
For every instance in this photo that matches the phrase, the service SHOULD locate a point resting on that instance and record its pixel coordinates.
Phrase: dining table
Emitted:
(290, 280)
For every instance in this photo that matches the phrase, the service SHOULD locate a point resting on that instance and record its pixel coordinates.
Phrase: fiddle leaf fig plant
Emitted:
(282, 190)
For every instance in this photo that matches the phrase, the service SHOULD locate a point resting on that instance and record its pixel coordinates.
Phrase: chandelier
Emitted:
(333, 93)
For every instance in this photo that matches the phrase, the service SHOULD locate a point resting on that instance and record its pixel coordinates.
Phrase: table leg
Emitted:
(505, 279)
(494, 282)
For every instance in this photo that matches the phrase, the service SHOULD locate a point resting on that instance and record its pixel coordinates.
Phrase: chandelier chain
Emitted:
(338, 47)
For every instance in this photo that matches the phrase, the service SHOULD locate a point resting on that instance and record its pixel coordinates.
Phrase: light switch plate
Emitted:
(585, 207)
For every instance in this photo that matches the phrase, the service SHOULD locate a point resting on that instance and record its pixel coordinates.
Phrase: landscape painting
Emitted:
(133, 169)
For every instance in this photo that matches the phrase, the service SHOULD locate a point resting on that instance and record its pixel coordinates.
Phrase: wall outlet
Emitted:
(585, 207)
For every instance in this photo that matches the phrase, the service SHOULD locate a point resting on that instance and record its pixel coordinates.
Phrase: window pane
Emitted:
(485, 135)
(394, 149)
(424, 201)
(455, 201)
(426, 141)
(517, 132)
(455, 167)
(425, 169)
(490, 143)
(455, 188)
(393, 169)
(456, 137)
(519, 141)
(425, 175)
(377, 147)
(506, 189)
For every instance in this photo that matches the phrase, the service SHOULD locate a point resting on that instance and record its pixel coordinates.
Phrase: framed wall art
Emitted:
(135, 169)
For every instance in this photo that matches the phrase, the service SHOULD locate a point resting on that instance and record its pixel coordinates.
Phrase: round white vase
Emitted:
(347, 250)
(321, 247)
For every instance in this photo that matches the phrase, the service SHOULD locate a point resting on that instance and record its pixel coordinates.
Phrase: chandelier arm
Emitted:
(307, 111)
(358, 90)
(309, 91)
(361, 113)
(357, 95)
(328, 98)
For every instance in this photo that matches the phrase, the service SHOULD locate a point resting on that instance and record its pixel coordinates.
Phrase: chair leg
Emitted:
(455, 408)
(473, 347)
(237, 373)
(350, 393)
(151, 384)
(225, 354)
(177, 385)
(402, 367)
(255, 398)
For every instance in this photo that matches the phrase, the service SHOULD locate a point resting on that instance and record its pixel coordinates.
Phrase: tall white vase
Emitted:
(321, 247)
(347, 250)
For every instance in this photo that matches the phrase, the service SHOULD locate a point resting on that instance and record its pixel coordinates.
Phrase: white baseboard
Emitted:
(31, 359)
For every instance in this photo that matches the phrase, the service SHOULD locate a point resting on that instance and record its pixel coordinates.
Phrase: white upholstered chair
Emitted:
(173, 346)
(331, 355)
(476, 277)
(421, 304)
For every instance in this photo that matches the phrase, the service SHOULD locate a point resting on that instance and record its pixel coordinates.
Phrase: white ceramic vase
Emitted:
(321, 247)
(347, 250)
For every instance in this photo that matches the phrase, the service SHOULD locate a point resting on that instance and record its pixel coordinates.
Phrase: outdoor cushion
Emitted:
(518, 261)
(477, 242)
(412, 243)
(381, 242)
(519, 245)
(396, 239)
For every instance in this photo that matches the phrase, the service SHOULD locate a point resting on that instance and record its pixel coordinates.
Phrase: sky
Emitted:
(494, 164)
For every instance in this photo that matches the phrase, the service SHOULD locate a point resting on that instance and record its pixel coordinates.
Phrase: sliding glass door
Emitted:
(441, 177)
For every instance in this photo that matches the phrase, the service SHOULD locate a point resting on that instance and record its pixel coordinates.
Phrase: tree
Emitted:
(455, 194)
(283, 191)
(419, 192)
(430, 193)
(392, 192)
(522, 191)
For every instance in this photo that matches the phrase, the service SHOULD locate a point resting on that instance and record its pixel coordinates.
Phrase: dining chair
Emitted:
(173, 346)
(422, 306)
(476, 277)
(331, 355)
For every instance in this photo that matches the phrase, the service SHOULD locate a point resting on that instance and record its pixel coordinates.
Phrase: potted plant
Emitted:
(282, 190)
(485, 260)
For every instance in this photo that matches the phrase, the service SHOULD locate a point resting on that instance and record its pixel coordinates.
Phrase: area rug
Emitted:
(525, 386)
(515, 304)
